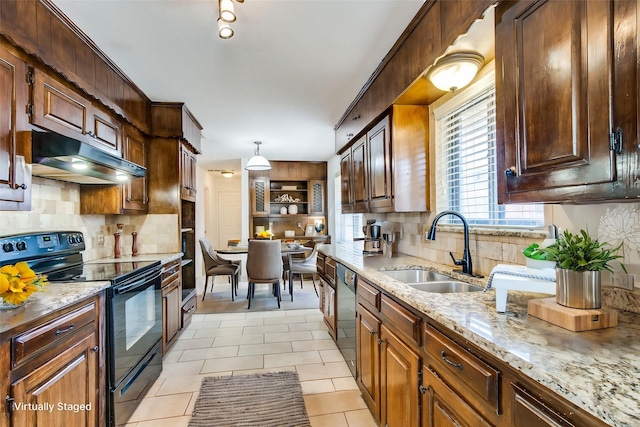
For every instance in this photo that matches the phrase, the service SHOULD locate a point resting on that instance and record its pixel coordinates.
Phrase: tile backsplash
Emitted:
(615, 223)
(56, 207)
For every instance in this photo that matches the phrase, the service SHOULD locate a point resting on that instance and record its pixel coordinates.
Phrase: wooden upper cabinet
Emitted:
(260, 196)
(359, 173)
(58, 108)
(15, 175)
(554, 98)
(317, 197)
(174, 120)
(188, 174)
(379, 157)
(346, 182)
(135, 191)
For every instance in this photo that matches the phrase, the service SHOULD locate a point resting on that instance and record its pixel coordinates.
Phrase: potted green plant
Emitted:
(579, 261)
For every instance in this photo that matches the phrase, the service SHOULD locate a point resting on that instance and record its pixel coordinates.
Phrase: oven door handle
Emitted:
(137, 284)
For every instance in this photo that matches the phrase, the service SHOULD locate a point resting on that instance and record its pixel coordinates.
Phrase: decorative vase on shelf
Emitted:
(283, 210)
(293, 209)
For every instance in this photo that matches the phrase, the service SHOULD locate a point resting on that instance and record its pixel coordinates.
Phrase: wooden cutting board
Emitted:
(573, 319)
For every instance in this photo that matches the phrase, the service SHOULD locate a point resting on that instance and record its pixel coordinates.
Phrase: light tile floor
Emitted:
(248, 342)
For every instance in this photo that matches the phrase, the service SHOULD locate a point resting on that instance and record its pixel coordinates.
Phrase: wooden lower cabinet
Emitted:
(67, 384)
(53, 369)
(171, 304)
(399, 367)
(368, 359)
(442, 407)
(328, 306)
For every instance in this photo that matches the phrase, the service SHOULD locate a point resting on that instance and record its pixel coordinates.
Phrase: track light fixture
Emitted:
(226, 15)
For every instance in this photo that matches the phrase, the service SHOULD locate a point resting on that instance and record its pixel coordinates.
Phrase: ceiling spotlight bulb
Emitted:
(227, 13)
(227, 174)
(455, 71)
(224, 29)
(257, 162)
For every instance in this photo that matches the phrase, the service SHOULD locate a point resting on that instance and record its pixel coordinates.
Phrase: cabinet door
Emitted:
(380, 172)
(14, 176)
(368, 359)
(106, 131)
(171, 313)
(187, 174)
(553, 97)
(317, 197)
(260, 196)
(135, 191)
(70, 377)
(442, 407)
(399, 366)
(57, 108)
(329, 310)
(346, 182)
(359, 183)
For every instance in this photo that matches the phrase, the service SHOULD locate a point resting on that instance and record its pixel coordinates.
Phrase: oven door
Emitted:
(135, 324)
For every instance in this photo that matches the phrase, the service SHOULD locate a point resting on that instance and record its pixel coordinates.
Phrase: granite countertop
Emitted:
(598, 370)
(55, 296)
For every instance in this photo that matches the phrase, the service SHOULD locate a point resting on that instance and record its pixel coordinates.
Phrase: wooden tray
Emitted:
(572, 318)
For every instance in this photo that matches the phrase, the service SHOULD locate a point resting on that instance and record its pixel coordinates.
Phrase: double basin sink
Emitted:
(430, 281)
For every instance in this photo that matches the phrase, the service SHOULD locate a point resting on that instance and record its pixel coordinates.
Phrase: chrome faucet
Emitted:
(465, 262)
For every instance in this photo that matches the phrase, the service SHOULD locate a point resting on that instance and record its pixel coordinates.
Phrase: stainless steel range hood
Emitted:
(66, 159)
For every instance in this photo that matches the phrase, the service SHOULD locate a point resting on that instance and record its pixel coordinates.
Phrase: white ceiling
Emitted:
(285, 77)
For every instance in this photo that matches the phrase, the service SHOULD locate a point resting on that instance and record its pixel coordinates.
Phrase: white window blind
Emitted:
(466, 162)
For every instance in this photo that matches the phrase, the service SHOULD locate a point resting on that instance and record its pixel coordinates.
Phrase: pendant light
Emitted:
(257, 162)
(455, 71)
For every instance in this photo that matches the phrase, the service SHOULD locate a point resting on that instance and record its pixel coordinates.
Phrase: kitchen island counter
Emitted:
(597, 371)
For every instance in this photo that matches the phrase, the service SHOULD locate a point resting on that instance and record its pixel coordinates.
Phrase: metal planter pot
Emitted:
(578, 289)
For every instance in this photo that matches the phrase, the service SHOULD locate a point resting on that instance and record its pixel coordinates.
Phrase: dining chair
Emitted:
(216, 266)
(301, 266)
(264, 265)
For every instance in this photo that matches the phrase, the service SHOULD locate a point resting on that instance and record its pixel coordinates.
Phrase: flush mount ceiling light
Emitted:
(455, 71)
(257, 162)
(226, 15)
(226, 174)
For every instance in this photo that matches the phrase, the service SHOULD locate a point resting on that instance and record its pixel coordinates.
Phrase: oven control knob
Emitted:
(79, 238)
(72, 239)
(7, 247)
(21, 246)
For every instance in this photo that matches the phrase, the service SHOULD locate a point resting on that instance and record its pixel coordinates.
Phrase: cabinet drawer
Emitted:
(36, 339)
(170, 272)
(330, 271)
(530, 412)
(320, 264)
(402, 319)
(461, 369)
(188, 308)
(368, 295)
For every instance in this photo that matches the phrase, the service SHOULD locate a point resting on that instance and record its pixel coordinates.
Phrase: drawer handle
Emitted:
(444, 357)
(65, 330)
(191, 309)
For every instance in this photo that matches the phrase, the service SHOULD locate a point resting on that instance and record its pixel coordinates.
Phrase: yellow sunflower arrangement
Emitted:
(18, 282)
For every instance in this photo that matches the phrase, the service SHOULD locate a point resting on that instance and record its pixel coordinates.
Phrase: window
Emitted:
(465, 129)
(348, 226)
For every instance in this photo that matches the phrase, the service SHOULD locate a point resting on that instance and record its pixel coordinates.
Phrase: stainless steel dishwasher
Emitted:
(346, 315)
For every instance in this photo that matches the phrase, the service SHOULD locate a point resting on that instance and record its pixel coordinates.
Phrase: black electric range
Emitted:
(133, 309)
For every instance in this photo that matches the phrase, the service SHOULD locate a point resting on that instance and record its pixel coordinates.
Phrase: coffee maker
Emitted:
(372, 240)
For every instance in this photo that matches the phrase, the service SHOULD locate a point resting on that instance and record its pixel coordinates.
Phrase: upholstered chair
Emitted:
(301, 266)
(264, 265)
(216, 266)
